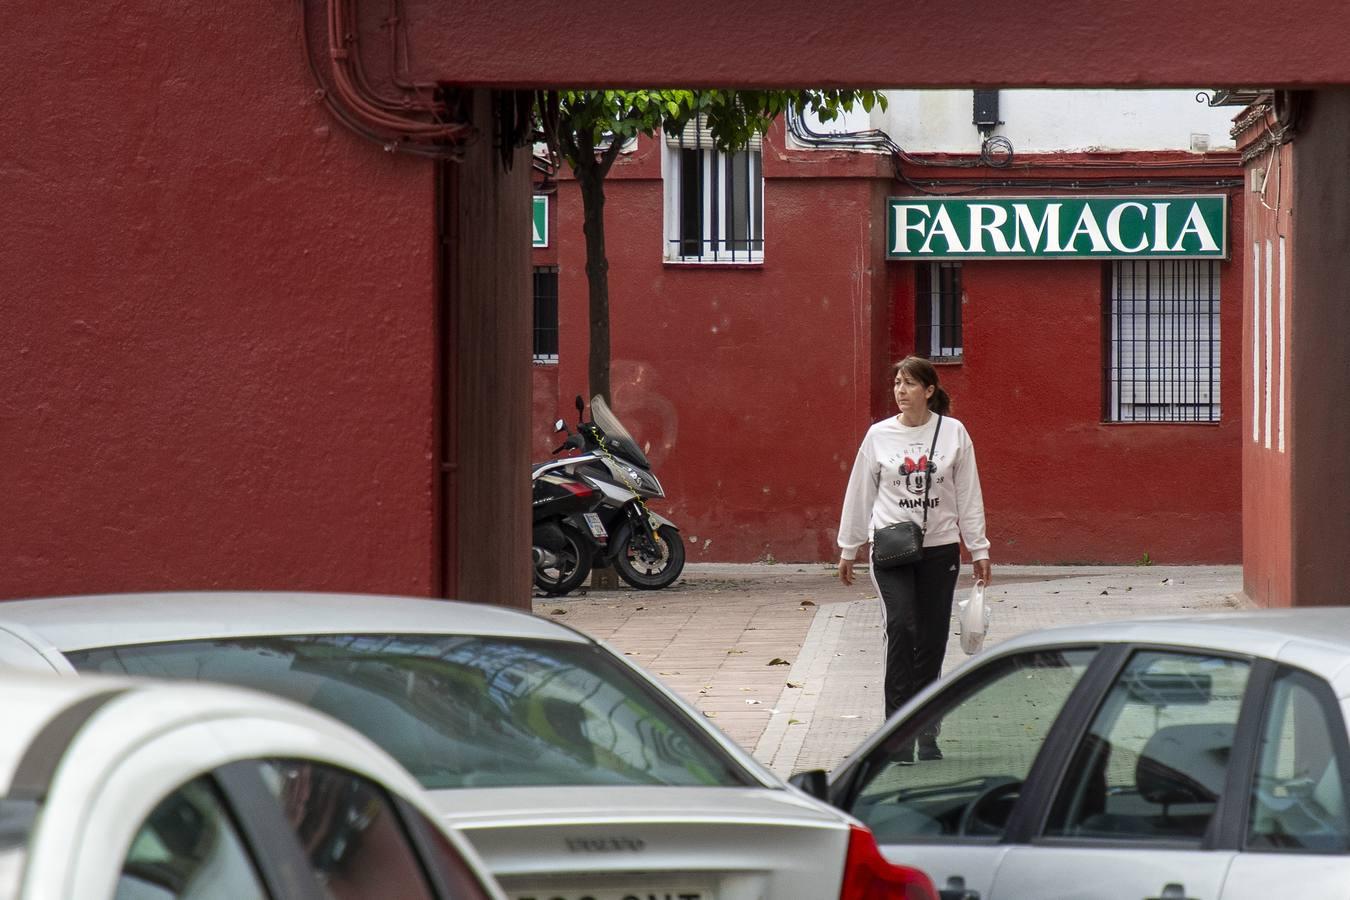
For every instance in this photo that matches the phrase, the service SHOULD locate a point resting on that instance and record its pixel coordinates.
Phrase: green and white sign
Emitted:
(1162, 227)
(540, 221)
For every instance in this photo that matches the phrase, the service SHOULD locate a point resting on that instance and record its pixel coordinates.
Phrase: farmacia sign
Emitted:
(1166, 227)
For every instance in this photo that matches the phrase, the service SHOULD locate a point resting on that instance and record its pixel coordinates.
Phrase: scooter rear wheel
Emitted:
(649, 571)
(568, 568)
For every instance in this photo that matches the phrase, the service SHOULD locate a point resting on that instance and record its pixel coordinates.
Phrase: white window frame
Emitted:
(1163, 341)
(715, 202)
(937, 348)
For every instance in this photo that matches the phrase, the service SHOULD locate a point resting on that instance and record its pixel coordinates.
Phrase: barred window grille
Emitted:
(714, 200)
(1163, 336)
(938, 310)
(546, 314)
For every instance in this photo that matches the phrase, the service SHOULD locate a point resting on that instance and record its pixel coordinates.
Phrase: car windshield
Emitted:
(461, 711)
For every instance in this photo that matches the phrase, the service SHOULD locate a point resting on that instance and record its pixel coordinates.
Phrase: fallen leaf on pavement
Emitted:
(558, 612)
(779, 661)
(752, 702)
(792, 684)
(808, 603)
(734, 650)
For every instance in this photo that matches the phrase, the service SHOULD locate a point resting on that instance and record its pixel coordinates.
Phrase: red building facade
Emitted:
(753, 382)
(244, 347)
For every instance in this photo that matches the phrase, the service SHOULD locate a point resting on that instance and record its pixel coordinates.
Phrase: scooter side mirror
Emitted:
(581, 406)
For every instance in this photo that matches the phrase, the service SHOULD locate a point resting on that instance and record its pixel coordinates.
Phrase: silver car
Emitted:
(113, 789)
(1203, 758)
(574, 774)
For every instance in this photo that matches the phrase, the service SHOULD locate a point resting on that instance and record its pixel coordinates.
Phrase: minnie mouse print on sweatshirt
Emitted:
(890, 473)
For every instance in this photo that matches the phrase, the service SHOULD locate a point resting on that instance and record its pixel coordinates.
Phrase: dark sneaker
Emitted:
(929, 749)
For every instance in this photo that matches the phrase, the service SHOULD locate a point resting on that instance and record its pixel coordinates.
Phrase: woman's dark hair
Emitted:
(925, 373)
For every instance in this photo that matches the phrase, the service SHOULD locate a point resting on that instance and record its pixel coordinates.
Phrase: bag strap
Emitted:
(928, 476)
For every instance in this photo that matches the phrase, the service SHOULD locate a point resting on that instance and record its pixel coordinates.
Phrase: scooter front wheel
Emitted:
(562, 571)
(650, 569)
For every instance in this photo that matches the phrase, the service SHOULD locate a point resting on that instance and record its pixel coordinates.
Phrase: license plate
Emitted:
(597, 529)
(619, 893)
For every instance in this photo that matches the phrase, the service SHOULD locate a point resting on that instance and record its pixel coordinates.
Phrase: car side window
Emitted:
(348, 829)
(1153, 762)
(188, 849)
(1298, 799)
(991, 725)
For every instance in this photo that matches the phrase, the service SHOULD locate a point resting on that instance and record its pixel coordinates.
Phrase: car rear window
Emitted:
(461, 711)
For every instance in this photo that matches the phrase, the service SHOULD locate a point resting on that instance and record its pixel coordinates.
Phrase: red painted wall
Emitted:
(754, 384)
(217, 351)
(1017, 43)
(544, 376)
(751, 430)
(1061, 485)
(1266, 471)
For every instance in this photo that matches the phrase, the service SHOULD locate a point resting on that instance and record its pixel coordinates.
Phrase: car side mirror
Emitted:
(812, 782)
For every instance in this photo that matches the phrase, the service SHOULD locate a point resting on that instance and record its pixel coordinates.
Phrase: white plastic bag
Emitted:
(972, 617)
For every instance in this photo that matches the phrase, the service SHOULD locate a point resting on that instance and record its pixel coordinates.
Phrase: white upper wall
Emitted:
(1041, 121)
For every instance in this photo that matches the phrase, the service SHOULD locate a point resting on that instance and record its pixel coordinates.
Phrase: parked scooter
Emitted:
(645, 548)
(564, 545)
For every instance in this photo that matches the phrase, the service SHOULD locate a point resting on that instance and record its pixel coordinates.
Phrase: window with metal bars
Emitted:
(546, 314)
(1162, 335)
(714, 200)
(938, 310)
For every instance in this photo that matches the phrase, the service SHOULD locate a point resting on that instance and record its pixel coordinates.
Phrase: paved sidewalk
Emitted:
(787, 661)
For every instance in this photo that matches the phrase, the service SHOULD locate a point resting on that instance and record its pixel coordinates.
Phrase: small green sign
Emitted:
(1161, 227)
(540, 221)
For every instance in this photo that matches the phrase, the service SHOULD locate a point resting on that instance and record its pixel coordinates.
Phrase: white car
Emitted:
(575, 774)
(1199, 757)
(121, 789)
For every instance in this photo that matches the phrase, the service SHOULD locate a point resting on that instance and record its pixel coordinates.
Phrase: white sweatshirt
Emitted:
(888, 481)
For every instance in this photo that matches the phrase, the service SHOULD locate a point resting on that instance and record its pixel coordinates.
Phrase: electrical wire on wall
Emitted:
(418, 118)
(1279, 114)
(997, 153)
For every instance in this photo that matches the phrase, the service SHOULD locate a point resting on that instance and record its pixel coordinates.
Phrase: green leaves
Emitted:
(589, 120)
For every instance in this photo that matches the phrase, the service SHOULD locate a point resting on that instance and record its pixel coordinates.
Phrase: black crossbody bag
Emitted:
(902, 543)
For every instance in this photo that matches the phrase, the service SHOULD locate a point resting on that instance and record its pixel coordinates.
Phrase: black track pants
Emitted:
(916, 601)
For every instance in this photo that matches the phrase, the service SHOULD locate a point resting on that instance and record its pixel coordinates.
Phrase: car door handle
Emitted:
(1171, 891)
(956, 890)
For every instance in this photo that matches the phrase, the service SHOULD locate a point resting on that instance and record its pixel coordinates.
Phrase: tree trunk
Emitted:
(591, 179)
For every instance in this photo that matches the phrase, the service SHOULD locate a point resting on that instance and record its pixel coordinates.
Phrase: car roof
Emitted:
(83, 622)
(1314, 638)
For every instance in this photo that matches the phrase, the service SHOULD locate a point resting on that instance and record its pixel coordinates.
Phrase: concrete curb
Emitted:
(781, 743)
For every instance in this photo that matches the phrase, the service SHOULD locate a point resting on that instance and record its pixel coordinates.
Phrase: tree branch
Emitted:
(615, 148)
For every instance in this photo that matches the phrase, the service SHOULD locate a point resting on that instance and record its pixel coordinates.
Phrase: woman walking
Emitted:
(918, 466)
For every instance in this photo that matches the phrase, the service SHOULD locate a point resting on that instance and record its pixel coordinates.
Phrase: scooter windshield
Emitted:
(616, 434)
